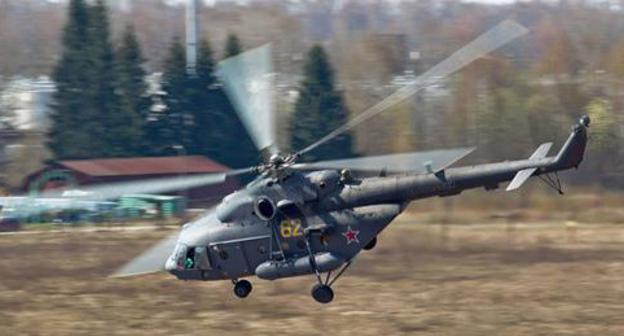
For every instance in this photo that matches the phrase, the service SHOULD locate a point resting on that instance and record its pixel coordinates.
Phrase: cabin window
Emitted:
(201, 259)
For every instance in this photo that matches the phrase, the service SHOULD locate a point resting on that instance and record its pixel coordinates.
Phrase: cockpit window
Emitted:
(190, 258)
(179, 256)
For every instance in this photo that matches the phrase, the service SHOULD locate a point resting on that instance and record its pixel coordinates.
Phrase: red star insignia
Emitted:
(351, 236)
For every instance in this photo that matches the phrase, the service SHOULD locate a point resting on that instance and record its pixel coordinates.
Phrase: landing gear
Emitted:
(322, 293)
(371, 244)
(242, 288)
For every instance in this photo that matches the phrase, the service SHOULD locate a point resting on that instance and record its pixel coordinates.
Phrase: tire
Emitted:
(322, 293)
(371, 244)
(242, 289)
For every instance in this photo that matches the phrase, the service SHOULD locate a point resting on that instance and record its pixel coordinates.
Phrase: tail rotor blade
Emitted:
(248, 80)
(495, 38)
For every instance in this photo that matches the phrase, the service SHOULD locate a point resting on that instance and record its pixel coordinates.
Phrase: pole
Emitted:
(181, 153)
(192, 26)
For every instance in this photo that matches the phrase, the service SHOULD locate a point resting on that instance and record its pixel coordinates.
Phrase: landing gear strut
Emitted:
(242, 288)
(322, 291)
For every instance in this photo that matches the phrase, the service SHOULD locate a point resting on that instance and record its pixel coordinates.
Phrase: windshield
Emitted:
(179, 256)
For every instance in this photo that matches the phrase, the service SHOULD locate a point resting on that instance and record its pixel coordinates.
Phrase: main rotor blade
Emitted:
(500, 35)
(90, 198)
(149, 186)
(248, 80)
(415, 162)
(151, 261)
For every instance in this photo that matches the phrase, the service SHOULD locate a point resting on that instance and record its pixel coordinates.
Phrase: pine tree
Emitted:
(172, 129)
(110, 135)
(236, 149)
(68, 138)
(320, 109)
(217, 132)
(203, 91)
(232, 46)
(89, 119)
(132, 88)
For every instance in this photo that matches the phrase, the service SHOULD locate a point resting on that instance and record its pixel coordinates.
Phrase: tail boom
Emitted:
(452, 181)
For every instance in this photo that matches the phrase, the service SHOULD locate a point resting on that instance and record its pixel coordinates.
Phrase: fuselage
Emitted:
(236, 238)
(276, 224)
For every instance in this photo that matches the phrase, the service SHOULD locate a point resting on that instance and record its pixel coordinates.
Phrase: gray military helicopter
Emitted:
(310, 218)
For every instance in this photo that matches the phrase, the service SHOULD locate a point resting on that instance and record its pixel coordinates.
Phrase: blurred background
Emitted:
(96, 92)
(105, 91)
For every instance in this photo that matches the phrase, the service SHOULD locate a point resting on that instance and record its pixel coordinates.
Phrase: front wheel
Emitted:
(242, 288)
(322, 293)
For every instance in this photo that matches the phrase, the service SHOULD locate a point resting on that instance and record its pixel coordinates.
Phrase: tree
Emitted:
(606, 140)
(320, 109)
(205, 136)
(134, 101)
(232, 46)
(169, 129)
(71, 114)
(217, 132)
(605, 126)
(113, 132)
(90, 119)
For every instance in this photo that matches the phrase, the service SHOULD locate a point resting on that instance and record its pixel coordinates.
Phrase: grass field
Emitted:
(492, 279)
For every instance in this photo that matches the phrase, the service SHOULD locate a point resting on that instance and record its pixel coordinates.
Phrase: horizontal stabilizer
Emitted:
(523, 175)
(416, 162)
(541, 151)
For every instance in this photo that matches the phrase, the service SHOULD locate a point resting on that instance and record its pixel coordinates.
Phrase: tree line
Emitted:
(104, 107)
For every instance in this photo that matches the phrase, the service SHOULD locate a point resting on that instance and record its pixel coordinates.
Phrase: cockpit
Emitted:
(188, 258)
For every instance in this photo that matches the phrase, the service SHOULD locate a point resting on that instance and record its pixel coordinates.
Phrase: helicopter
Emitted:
(314, 218)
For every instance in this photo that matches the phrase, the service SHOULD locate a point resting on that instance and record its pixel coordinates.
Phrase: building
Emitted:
(24, 121)
(75, 173)
(26, 103)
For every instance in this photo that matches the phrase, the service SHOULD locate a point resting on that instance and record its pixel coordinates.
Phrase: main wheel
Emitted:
(242, 288)
(322, 293)
(371, 244)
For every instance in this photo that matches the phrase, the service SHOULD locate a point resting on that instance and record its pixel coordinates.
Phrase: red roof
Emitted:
(145, 166)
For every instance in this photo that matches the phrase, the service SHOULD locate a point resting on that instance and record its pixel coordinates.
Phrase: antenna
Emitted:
(192, 25)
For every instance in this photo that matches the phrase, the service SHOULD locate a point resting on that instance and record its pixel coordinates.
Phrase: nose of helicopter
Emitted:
(193, 235)
(170, 264)
(175, 261)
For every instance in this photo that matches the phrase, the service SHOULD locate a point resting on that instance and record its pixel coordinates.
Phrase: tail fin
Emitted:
(572, 152)
(523, 175)
(570, 155)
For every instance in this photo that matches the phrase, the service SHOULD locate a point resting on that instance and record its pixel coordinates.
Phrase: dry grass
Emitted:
(489, 279)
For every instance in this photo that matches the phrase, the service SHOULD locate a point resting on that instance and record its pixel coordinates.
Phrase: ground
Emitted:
(546, 278)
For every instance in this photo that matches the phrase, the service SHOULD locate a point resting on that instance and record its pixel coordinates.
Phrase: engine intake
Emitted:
(265, 209)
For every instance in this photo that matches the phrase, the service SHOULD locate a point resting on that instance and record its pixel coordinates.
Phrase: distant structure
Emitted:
(76, 173)
(24, 121)
(395, 50)
(192, 28)
(25, 104)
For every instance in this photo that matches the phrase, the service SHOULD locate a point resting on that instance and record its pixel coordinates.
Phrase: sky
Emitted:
(212, 2)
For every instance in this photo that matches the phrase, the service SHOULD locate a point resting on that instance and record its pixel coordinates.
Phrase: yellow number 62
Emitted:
(291, 228)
